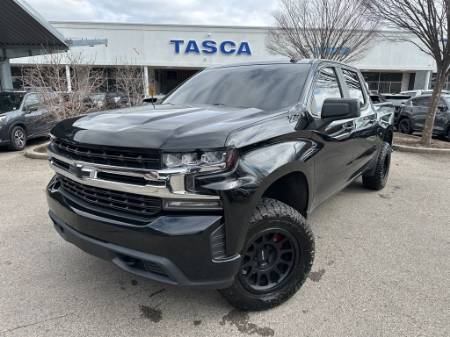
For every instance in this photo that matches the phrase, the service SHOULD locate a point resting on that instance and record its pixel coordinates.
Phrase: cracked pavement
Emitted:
(382, 268)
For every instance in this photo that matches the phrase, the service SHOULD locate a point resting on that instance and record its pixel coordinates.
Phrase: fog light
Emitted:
(199, 205)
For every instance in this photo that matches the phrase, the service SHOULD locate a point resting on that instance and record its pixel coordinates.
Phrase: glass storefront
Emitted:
(384, 82)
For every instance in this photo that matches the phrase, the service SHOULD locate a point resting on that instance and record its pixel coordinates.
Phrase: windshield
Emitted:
(266, 87)
(10, 101)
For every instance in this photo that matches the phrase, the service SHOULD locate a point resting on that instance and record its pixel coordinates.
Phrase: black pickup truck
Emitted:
(212, 187)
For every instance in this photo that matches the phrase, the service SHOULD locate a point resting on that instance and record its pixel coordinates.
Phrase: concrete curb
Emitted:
(33, 154)
(427, 150)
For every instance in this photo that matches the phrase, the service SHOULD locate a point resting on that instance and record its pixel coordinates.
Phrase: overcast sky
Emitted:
(220, 12)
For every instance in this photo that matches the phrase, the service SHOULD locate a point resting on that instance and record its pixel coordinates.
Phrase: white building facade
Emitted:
(169, 54)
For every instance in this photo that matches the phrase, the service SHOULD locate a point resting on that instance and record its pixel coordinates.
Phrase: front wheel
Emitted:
(18, 138)
(276, 260)
(378, 178)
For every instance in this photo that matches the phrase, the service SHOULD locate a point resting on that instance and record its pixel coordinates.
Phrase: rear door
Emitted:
(441, 120)
(364, 140)
(419, 111)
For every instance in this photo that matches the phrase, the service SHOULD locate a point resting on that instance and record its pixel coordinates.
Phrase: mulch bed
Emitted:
(41, 149)
(414, 141)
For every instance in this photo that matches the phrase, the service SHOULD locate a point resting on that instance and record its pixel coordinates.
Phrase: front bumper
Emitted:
(176, 249)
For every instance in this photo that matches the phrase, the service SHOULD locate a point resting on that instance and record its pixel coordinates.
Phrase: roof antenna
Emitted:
(293, 60)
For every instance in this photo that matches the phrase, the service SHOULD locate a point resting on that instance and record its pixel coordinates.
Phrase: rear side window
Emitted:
(326, 86)
(354, 86)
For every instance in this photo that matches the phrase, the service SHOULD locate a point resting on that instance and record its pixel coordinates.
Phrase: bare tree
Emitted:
(328, 29)
(130, 80)
(50, 78)
(427, 23)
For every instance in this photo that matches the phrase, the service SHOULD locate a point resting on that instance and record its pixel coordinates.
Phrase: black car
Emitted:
(211, 188)
(107, 100)
(413, 115)
(23, 116)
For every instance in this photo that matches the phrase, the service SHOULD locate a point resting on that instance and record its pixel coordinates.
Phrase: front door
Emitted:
(442, 117)
(420, 108)
(335, 136)
(35, 114)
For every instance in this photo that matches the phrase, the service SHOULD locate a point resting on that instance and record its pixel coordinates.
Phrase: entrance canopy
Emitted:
(23, 32)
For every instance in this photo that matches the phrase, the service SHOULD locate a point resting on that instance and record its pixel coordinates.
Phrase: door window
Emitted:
(326, 86)
(32, 100)
(354, 86)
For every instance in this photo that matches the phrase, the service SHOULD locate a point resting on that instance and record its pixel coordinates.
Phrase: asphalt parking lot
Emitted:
(382, 268)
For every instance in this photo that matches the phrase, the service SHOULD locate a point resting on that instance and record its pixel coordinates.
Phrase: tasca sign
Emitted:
(210, 47)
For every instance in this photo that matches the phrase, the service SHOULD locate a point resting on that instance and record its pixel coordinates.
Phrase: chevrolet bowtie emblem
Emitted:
(81, 171)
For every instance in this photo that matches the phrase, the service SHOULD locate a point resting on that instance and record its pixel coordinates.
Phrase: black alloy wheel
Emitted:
(276, 258)
(268, 260)
(18, 138)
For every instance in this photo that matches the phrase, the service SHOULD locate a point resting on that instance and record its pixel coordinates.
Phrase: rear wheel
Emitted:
(18, 138)
(378, 178)
(276, 259)
(405, 126)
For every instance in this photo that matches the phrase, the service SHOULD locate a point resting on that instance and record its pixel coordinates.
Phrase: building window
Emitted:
(384, 82)
(172, 75)
(433, 82)
(16, 74)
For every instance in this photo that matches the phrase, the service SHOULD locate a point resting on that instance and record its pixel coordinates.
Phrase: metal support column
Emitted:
(5, 75)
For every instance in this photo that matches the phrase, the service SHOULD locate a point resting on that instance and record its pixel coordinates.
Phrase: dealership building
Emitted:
(169, 54)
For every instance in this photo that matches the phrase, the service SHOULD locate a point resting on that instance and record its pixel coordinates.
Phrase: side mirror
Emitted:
(342, 108)
(154, 99)
(442, 108)
(31, 108)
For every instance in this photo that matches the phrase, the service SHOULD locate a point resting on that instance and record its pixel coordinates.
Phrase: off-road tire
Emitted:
(405, 126)
(379, 176)
(274, 215)
(14, 143)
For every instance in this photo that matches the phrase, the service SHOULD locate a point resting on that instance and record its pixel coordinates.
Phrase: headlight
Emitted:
(2, 120)
(210, 159)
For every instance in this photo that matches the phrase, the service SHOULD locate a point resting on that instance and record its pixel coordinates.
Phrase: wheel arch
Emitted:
(21, 124)
(389, 136)
(292, 189)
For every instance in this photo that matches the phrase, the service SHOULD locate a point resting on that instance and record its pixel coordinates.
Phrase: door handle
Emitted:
(349, 126)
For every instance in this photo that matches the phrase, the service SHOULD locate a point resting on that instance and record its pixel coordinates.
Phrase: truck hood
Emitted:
(165, 127)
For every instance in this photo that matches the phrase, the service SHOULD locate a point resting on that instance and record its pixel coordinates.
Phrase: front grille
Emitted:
(127, 204)
(105, 155)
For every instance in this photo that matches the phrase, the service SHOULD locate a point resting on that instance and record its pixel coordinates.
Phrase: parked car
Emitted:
(377, 98)
(211, 188)
(107, 100)
(380, 103)
(397, 100)
(415, 93)
(23, 115)
(414, 113)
